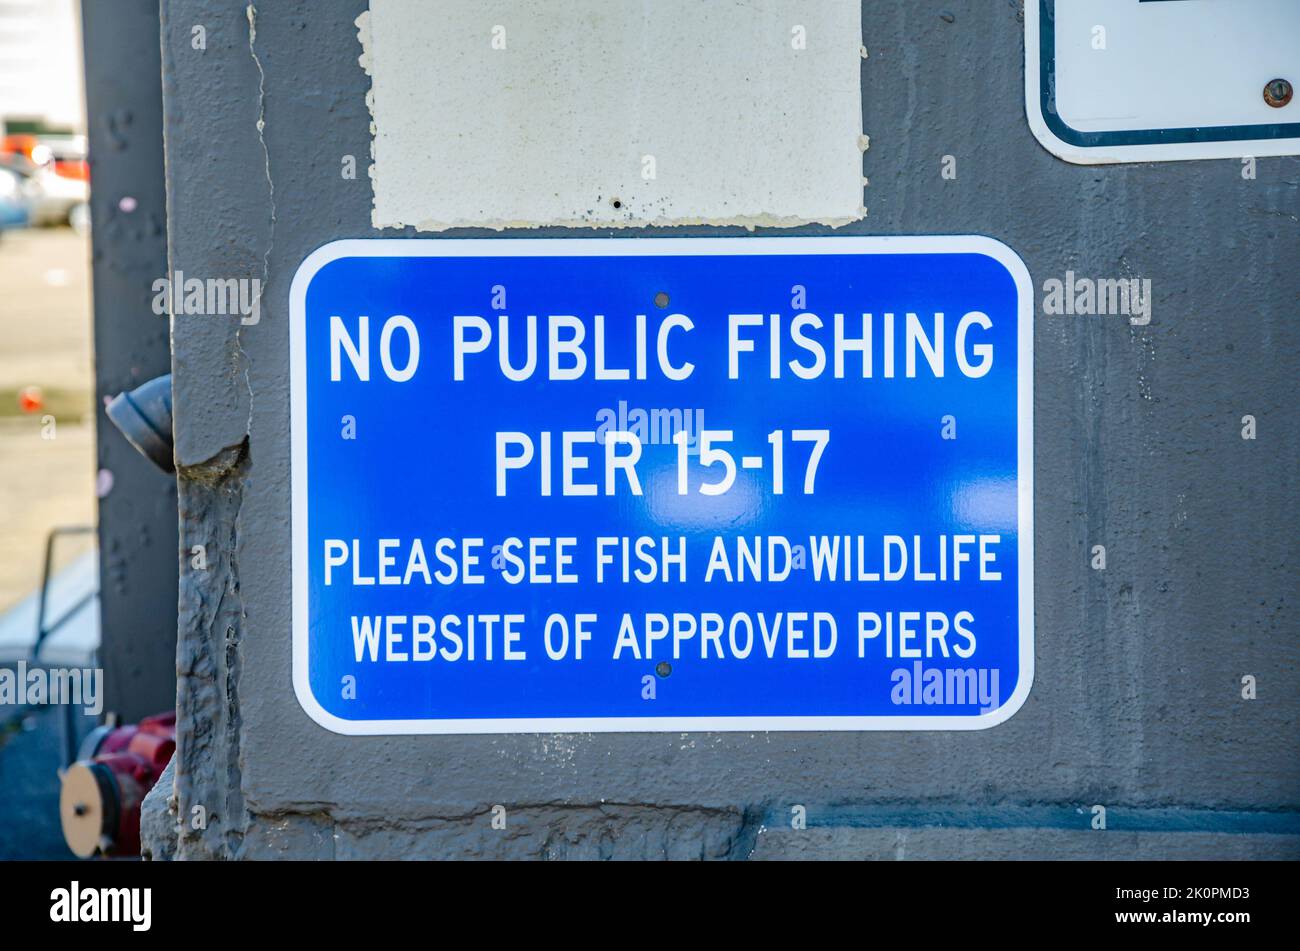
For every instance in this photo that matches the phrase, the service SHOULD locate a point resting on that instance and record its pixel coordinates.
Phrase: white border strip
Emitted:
(630, 247)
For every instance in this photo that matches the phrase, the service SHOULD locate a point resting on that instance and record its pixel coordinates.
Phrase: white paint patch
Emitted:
(614, 113)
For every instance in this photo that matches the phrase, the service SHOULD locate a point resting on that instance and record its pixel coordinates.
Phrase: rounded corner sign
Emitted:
(673, 484)
(1159, 80)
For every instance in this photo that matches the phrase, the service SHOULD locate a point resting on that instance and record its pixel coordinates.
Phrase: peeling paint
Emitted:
(211, 617)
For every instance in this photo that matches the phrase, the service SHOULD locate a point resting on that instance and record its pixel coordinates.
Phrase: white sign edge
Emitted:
(1120, 154)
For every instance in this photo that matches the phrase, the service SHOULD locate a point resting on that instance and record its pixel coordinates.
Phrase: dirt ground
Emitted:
(47, 454)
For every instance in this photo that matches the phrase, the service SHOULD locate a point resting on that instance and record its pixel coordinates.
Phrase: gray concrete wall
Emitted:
(1137, 703)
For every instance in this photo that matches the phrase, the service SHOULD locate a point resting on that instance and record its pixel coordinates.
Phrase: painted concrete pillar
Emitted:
(291, 125)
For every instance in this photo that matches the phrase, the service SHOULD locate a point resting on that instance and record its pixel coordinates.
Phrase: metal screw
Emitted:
(663, 668)
(1277, 93)
(661, 300)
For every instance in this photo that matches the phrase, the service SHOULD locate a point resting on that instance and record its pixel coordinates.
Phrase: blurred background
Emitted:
(45, 347)
(47, 437)
(77, 330)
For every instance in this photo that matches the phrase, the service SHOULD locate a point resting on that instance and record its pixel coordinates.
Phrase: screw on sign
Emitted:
(1278, 93)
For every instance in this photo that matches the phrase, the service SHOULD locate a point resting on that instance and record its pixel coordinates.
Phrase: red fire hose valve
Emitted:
(102, 791)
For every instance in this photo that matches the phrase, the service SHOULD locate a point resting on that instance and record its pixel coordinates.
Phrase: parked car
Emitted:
(58, 185)
(56, 197)
(14, 205)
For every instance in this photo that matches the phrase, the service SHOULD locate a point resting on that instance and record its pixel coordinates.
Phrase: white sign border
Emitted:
(549, 247)
(1116, 154)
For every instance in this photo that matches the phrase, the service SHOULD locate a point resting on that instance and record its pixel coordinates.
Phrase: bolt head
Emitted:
(1278, 92)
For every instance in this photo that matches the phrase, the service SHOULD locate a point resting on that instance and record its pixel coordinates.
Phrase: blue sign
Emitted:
(569, 485)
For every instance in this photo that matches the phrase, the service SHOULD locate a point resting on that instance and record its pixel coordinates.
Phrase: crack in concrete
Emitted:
(251, 13)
